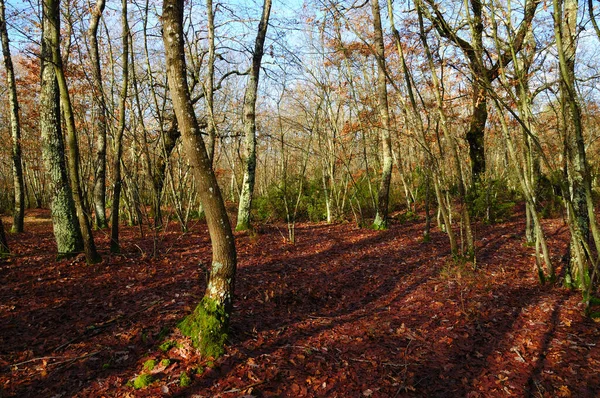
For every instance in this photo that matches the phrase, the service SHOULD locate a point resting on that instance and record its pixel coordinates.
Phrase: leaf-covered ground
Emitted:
(345, 312)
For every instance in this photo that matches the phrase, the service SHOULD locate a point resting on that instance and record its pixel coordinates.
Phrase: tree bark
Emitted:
(249, 119)
(99, 121)
(578, 172)
(67, 231)
(118, 150)
(15, 127)
(4, 250)
(208, 325)
(51, 11)
(381, 218)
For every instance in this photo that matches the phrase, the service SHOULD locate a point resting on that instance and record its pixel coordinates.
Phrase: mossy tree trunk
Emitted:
(51, 12)
(381, 218)
(582, 215)
(249, 119)
(67, 232)
(15, 128)
(118, 145)
(208, 325)
(99, 118)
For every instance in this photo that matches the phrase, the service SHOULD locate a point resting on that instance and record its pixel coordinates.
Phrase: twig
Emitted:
(234, 390)
(75, 359)
(31, 360)
(98, 326)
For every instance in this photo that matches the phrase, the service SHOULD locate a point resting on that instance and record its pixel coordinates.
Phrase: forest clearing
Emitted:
(344, 312)
(299, 198)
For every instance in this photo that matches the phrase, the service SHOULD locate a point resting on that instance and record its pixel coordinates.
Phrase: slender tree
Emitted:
(52, 8)
(209, 323)
(381, 218)
(118, 145)
(67, 232)
(249, 119)
(15, 127)
(579, 194)
(99, 115)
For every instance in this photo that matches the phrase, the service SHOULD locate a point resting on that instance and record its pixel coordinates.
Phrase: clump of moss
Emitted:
(167, 345)
(149, 364)
(184, 380)
(207, 327)
(143, 380)
(165, 362)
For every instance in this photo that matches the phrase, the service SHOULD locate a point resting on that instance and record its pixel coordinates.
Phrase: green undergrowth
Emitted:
(184, 380)
(207, 327)
(142, 381)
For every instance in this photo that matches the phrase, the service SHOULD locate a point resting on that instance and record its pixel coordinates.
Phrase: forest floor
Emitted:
(344, 312)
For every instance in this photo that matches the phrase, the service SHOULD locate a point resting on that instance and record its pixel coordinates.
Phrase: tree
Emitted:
(67, 232)
(99, 118)
(4, 250)
(481, 73)
(52, 14)
(249, 120)
(578, 196)
(15, 126)
(118, 149)
(381, 218)
(208, 324)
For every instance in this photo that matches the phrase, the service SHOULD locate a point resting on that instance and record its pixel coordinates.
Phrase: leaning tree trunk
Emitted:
(582, 215)
(51, 11)
(67, 232)
(118, 183)
(15, 127)
(243, 221)
(209, 323)
(381, 218)
(99, 121)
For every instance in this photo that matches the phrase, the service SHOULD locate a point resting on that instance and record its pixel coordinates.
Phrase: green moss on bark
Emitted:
(207, 327)
(380, 223)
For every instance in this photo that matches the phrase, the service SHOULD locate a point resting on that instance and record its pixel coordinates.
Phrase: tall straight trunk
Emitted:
(249, 119)
(51, 12)
(67, 232)
(209, 323)
(381, 218)
(15, 128)
(209, 86)
(462, 186)
(99, 121)
(118, 150)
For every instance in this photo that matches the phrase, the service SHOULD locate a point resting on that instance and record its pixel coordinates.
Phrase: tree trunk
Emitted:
(4, 250)
(99, 121)
(67, 232)
(476, 134)
(51, 11)
(114, 216)
(209, 324)
(580, 191)
(381, 218)
(15, 127)
(249, 118)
